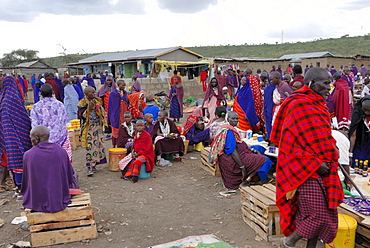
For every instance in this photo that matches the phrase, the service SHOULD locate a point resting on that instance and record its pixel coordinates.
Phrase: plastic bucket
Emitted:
(115, 155)
(143, 173)
(199, 146)
(346, 233)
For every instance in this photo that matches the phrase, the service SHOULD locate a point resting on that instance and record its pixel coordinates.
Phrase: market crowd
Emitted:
(308, 114)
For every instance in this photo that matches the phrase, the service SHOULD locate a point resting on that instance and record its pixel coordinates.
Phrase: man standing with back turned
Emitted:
(308, 188)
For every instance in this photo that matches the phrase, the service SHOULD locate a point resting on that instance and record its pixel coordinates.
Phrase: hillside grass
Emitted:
(344, 46)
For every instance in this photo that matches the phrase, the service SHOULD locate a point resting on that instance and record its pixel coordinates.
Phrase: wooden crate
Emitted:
(363, 221)
(77, 137)
(212, 168)
(260, 212)
(75, 223)
(186, 146)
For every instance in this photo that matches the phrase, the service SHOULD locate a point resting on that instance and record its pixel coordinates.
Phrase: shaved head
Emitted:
(140, 121)
(366, 103)
(88, 89)
(232, 118)
(39, 134)
(275, 74)
(316, 74)
(248, 71)
(46, 90)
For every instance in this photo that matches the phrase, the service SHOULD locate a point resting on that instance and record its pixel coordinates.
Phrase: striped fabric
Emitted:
(15, 125)
(302, 132)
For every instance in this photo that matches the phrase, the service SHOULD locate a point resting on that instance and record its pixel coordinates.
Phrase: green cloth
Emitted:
(215, 245)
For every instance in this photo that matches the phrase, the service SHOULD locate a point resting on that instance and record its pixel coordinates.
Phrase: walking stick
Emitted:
(352, 182)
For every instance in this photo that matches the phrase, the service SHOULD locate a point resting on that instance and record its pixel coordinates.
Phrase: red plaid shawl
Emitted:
(303, 135)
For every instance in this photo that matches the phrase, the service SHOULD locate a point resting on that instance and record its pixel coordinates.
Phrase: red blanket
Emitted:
(303, 135)
(143, 146)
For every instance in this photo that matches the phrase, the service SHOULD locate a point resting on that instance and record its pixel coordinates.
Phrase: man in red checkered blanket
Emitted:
(308, 188)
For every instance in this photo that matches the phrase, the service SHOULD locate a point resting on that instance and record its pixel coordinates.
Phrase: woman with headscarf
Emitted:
(104, 92)
(88, 81)
(244, 106)
(92, 116)
(176, 97)
(194, 128)
(106, 89)
(214, 97)
(136, 87)
(359, 131)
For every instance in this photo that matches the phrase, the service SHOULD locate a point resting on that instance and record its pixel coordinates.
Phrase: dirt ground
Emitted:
(175, 202)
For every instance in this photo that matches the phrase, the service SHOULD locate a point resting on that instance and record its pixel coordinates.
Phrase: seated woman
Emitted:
(126, 132)
(142, 153)
(194, 128)
(238, 165)
(220, 112)
(166, 137)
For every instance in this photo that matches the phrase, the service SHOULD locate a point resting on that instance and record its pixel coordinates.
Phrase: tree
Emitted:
(18, 56)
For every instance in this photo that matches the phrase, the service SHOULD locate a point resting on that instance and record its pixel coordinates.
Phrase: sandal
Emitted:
(4, 188)
(285, 245)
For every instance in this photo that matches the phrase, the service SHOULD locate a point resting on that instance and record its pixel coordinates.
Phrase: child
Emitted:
(142, 154)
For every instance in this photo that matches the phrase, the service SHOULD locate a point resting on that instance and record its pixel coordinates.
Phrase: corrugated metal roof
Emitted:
(297, 56)
(241, 59)
(132, 55)
(26, 64)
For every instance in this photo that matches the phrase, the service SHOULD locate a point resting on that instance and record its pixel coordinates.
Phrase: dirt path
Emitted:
(175, 202)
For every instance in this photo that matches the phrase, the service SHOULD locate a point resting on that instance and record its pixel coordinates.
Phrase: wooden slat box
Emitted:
(260, 212)
(212, 168)
(75, 223)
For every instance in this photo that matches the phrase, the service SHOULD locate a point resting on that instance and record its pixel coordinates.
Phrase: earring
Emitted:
(309, 85)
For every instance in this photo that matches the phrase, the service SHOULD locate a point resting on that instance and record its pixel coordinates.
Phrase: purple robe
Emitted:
(363, 71)
(60, 88)
(280, 71)
(138, 75)
(150, 128)
(176, 108)
(354, 70)
(136, 86)
(114, 107)
(332, 71)
(47, 177)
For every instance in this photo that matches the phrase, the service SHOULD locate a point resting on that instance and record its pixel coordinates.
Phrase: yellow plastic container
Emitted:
(346, 233)
(115, 155)
(199, 146)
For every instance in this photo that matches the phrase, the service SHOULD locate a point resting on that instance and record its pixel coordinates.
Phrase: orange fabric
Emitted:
(243, 124)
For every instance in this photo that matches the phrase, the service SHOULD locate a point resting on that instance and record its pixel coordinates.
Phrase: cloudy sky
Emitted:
(89, 26)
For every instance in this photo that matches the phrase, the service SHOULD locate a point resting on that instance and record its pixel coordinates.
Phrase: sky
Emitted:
(96, 26)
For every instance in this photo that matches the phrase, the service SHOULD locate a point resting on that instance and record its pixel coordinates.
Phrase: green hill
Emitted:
(344, 46)
(61, 61)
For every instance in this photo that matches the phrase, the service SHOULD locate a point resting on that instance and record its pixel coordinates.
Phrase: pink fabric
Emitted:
(67, 146)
